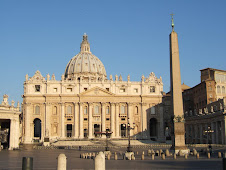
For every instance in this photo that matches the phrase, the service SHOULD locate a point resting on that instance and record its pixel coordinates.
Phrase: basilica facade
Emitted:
(87, 104)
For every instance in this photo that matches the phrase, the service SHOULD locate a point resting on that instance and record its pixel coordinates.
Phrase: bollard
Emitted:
(108, 156)
(142, 157)
(100, 161)
(175, 156)
(132, 157)
(160, 152)
(62, 162)
(219, 154)
(116, 156)
(186, 156)
(27, 163)
(148, 152)
(143, 153)
(197, 155)
(194, 152)
(180, 153)
(208, 155)
(167, 152)
(163, 156)
(153, 156)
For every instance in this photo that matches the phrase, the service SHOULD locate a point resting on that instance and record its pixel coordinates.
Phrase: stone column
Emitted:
(81, 131)
(117, 120)
(144, 121)
(130, 116)
(76, 122)
(12, 134)
(222, 131)
(90, 120)
(201, 133)
(213, 134)
(27, 129)
(217, 132)
(103, 118)
(113, 120)
(17, 133)
(47, 119)
(62, 121)
(161, 137)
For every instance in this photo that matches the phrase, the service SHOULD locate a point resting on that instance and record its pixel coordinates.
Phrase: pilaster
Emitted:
(81, 131)
(76, 121)
(62, 120)
(103, 118)
(113, 120)
(90, 120)
(117, 120)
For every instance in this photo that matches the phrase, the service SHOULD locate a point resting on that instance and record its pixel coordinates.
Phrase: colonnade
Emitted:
(114, 114)
(210, 132)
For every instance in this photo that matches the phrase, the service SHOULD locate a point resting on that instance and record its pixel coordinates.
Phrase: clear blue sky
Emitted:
(128, 36)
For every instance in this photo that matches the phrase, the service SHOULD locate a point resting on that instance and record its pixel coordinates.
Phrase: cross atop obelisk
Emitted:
(176, 94)
(172, 22)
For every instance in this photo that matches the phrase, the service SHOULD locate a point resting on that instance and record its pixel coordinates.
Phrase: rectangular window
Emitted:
(135, 90)
(107, 110)
(122, 90)
(96, 111)
(123, 119)
(152, 89)
(54, 90)
(37, 88)
(85, 119)
(123, 109)
(68, 119)
(85, 89)
(107, 89)
(107, 119)
(69, 89)
(153, 110)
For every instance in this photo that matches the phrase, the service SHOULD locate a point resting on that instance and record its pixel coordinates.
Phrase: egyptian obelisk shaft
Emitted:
(176, 94)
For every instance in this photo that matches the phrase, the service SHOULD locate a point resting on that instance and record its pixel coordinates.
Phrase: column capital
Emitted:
(103, 103)
(144, 104)
(75, 103)
(81, 103)
(116, 104)
(112, 104)
(47, 103)
(130, 104)
(61, 103)
(90, 103)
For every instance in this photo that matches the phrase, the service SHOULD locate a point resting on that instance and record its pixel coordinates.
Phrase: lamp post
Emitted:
(129, 128)
(209, 131)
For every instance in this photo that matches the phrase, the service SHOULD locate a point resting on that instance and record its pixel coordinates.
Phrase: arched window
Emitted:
(85, 110)
(69, 110)
(96, 111)
(223, 89)
(123, 109)
(55, 110)
(37, 110)
(136, 110)
(218, 89)
(107, 110)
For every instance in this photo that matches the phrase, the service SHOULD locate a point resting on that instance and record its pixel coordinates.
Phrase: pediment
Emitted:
(97, 91)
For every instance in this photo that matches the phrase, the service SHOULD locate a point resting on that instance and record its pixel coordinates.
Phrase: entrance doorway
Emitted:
(5, 132)
(123, 130)
(96, 129)
(37, 129)
(69, 130)
(153, 128)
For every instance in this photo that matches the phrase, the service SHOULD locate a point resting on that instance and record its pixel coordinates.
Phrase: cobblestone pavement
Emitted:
(46, 160)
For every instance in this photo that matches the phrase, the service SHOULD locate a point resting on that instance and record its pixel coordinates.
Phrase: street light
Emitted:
(209, 131)
(128, 129)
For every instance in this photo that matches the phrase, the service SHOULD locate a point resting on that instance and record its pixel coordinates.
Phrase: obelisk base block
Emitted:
(179, 143)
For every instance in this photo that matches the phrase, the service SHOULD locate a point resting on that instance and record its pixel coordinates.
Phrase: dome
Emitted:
(85, 65)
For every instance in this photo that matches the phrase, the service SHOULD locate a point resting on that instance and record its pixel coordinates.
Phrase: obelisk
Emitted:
(178, 142)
